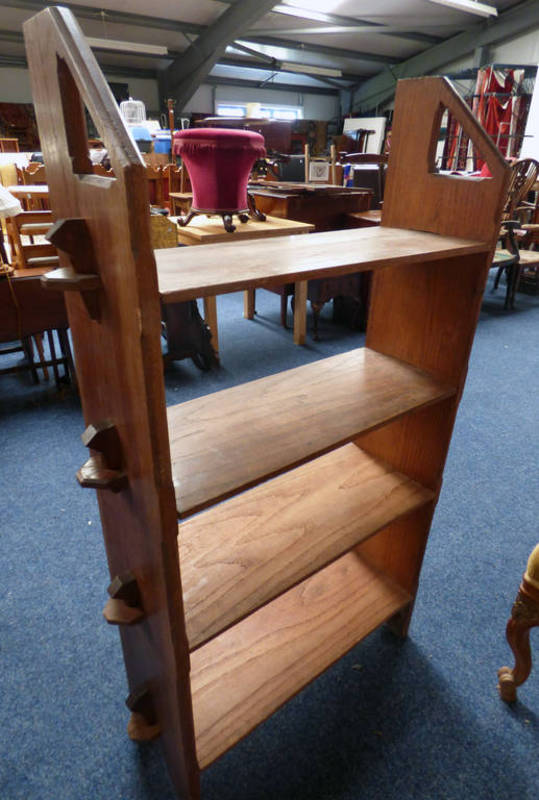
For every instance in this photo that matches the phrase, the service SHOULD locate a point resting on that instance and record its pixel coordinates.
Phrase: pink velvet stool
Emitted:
(219, 162)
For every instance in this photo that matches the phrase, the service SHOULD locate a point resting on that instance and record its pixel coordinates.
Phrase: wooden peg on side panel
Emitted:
(73, 237)
(143, 725)
(104, 469)
(125, 605)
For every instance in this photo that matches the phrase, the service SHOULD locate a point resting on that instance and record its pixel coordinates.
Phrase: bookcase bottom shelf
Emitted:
(242, 676)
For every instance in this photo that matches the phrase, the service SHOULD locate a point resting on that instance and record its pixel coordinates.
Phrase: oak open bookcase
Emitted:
(314, 488)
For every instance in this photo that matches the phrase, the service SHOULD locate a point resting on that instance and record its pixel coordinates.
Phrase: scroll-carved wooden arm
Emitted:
(524, 616)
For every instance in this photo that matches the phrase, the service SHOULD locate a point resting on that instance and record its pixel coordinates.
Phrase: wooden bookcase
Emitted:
(315, 486)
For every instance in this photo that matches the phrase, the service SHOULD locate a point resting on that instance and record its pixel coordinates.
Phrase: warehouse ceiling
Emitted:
(322, 46)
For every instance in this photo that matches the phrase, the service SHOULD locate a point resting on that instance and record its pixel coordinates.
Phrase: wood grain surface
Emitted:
(187, 273)
(207, 230)
(244, 675)
(226, 441)
(240, 554)
(119, 361)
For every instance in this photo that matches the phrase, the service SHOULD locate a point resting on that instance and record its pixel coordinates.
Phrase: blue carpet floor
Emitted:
(413, 720)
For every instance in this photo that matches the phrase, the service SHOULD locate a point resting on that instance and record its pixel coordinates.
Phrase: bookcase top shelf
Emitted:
(224, 442)
(187, 273)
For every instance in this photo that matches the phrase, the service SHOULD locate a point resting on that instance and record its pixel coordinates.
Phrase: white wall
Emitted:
(315, 106)
(523, 50)
(144, 89)
(15, 87)
(201, 102)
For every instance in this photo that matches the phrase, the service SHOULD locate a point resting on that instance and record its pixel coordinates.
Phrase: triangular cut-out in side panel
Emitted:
(452, 149)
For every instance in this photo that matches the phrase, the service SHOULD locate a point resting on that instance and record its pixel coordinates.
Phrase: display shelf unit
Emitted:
(305, 498)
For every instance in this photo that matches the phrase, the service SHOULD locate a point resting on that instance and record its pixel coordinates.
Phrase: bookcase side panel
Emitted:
(103, 235)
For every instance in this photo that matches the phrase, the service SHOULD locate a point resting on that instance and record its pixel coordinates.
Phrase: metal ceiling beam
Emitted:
(14, 37)
(112, 16)
(277, 67)
(359, 28)
(187, 72)
(349, 22)
(255, 53)
(520, 19)
(144, 21)
(214, 80)
(19, 62)
(304, 47)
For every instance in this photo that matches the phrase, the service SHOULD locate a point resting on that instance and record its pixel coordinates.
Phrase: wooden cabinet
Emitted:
(315, 487)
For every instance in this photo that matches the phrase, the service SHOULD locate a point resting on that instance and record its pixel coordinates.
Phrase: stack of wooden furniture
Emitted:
(316, 486)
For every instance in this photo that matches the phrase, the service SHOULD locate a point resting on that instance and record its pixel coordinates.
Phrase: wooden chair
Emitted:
(155, 179)
(512, 256)
(375, 178)
(31, 175)
(177, 181)
(328, 164)
(524, 616)
(34, 173)
(99, 169)
(30, 224)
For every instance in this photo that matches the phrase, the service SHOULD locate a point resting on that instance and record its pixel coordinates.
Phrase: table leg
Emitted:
(300, 312)
(210, 317)
(249, 303)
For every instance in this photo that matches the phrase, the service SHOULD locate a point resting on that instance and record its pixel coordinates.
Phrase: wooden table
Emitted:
(323, 205)
(36, 310)
(209, 230)
(364, 219)
(39, 309)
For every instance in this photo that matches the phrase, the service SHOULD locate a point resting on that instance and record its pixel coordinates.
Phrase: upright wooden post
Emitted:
(119, 348)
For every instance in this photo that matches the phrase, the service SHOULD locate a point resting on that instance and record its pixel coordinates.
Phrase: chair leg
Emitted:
(317, 308)
(524, 616)
(52, 348)
(497, 278)
(65, 349)
(284, 308)
(38, 338)
(517, 269)
(3, 255)
(29, 353)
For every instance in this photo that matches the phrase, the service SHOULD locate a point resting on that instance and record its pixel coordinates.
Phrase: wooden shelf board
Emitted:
(187, 273)
(244, 675)
(241, 554)
(224, 442)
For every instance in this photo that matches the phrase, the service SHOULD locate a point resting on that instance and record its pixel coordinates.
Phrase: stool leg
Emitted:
(524, 616)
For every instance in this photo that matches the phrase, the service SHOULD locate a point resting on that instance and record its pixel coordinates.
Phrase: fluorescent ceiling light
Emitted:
(302, 13)
(481, 9)
(128, 47)
(309, 69)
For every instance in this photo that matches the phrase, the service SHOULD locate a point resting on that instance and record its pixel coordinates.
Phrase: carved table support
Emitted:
(524, 616)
